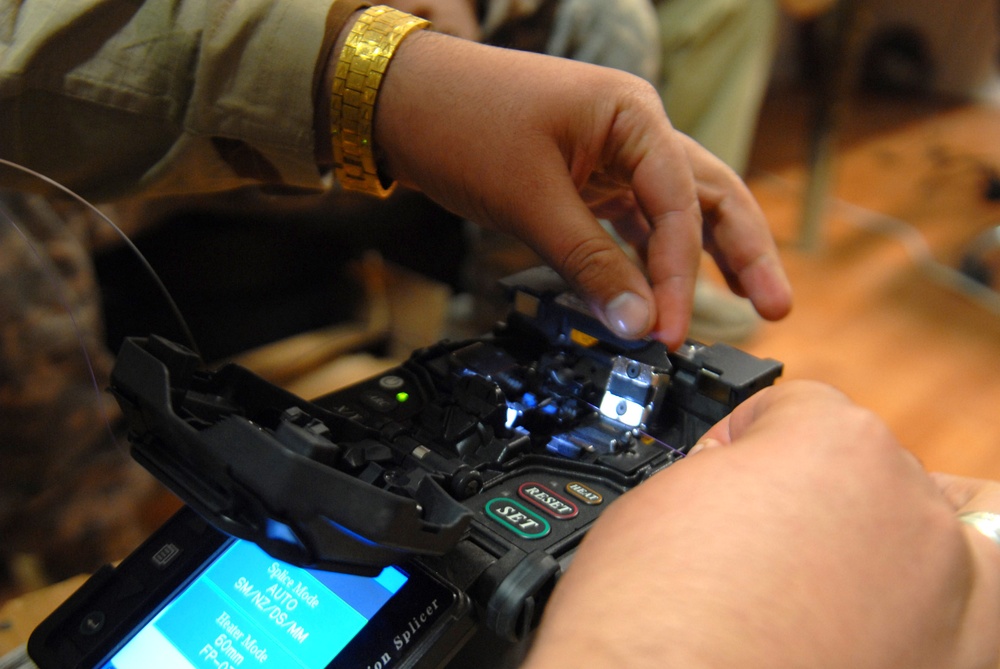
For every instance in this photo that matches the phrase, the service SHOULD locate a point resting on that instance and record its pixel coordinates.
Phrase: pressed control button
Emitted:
(516, 518)
(548, 501)
(584, 493)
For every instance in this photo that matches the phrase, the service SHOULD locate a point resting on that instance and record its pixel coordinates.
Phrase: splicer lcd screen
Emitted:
(247, 609)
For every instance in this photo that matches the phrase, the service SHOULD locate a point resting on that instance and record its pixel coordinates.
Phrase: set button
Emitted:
(513, 516)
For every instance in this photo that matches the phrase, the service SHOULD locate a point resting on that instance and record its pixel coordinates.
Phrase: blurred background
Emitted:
(883, 188)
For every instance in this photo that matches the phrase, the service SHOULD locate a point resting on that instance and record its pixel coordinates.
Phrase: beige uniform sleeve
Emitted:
(164, 96)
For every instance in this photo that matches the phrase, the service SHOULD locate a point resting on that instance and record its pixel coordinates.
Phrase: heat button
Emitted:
(548, 501)
(584, 493)
(519, 520)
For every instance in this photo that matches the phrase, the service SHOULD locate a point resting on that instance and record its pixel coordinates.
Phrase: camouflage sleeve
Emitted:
(53, 362)
(109, 97)
(54, 416)
(168, 96)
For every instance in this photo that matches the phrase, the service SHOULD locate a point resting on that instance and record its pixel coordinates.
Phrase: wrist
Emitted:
(355, 71)
(341, 17)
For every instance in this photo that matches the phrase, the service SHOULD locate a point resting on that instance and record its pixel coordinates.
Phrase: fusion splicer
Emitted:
(481, 462)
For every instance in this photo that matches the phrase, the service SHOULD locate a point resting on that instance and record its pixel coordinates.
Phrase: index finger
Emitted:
(664, 187)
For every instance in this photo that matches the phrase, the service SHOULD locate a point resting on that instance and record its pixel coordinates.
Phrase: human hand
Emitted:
(541, 147)
(806, 537)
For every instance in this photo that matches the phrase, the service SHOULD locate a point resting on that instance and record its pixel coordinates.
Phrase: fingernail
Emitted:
(703, 444)
(627, 314)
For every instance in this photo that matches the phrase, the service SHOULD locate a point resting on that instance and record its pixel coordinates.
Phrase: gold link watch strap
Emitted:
(363, 62)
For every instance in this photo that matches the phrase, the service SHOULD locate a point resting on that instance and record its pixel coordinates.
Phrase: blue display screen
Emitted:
(249, 610)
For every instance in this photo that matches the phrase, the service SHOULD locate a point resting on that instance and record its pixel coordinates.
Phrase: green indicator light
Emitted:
(402, 397)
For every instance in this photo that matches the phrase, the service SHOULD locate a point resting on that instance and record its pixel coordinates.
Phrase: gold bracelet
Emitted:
(360, 68)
